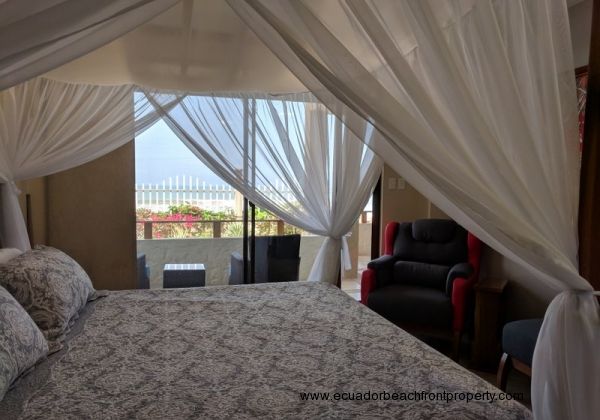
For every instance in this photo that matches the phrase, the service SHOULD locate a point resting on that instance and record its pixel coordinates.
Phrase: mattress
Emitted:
(282, 350)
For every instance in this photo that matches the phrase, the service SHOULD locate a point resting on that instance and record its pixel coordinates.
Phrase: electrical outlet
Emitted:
(391, 183)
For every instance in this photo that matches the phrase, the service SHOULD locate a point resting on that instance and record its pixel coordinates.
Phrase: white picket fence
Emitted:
(191, 190)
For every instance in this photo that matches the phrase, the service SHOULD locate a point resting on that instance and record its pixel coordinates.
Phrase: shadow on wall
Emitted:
(215, 254)
(526, 296)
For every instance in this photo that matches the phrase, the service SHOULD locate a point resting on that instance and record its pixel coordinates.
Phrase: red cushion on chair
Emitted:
(474, 245)
(460, 295)
(389, 237)
(367, 284)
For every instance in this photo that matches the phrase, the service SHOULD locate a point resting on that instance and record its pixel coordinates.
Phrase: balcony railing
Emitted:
(219, 228)
(216, 227)
(186, 189)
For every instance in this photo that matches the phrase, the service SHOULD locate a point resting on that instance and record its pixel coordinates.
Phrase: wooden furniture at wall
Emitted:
(489, 314)
(507, 362)
(589, 196)
(29, 219)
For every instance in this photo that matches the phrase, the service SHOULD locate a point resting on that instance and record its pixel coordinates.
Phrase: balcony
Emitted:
(191, 234)
(214, 249)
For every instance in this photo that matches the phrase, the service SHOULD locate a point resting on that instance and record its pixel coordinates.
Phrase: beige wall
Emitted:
(91, 216)
(435, 213)
(526, 296)
(89, 213)
(365, 231)
(580, 19)
(400, 201)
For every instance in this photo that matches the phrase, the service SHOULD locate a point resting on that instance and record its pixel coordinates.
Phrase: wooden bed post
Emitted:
(589, 199)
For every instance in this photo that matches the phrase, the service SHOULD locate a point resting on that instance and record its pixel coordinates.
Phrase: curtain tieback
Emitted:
(347, 262)
(12, 187)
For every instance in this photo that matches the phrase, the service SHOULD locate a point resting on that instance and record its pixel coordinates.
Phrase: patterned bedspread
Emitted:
(246, 352)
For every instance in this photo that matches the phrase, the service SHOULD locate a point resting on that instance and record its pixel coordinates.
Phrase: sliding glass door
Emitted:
(292, 158)
(186, 215)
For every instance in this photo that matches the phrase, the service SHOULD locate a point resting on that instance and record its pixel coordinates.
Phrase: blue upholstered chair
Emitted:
(518, 344)
(277, 260)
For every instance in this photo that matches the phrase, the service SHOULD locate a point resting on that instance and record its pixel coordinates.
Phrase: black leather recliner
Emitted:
(425, 278)
(277, 260)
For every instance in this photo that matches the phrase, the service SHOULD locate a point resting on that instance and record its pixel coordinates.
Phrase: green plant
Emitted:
(143, 213)
(180, 232)
(261, 214)
(234, 230)
(186, 221)
(186, 208)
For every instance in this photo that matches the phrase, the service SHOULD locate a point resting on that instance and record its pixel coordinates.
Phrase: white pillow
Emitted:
(51, 287)
(7, 254)
(22, 344)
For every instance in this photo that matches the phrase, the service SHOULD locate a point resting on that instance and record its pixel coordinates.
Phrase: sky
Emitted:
(159, 154)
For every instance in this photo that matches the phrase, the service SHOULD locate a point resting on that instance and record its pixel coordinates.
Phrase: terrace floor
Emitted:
(351, 285)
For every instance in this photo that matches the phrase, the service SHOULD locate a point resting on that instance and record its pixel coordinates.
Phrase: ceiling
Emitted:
(197, 45)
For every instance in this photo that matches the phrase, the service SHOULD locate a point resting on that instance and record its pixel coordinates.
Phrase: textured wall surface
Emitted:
(400, 202)
(91, 216)
(580, 19)
(364, 238)
(213, 253)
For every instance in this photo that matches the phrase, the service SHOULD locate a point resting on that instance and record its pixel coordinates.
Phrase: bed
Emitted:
(244, 352)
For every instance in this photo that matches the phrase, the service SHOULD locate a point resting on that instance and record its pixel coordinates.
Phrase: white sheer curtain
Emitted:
(39, 35)
(476, 102)
(288, 155)
(48, 126)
